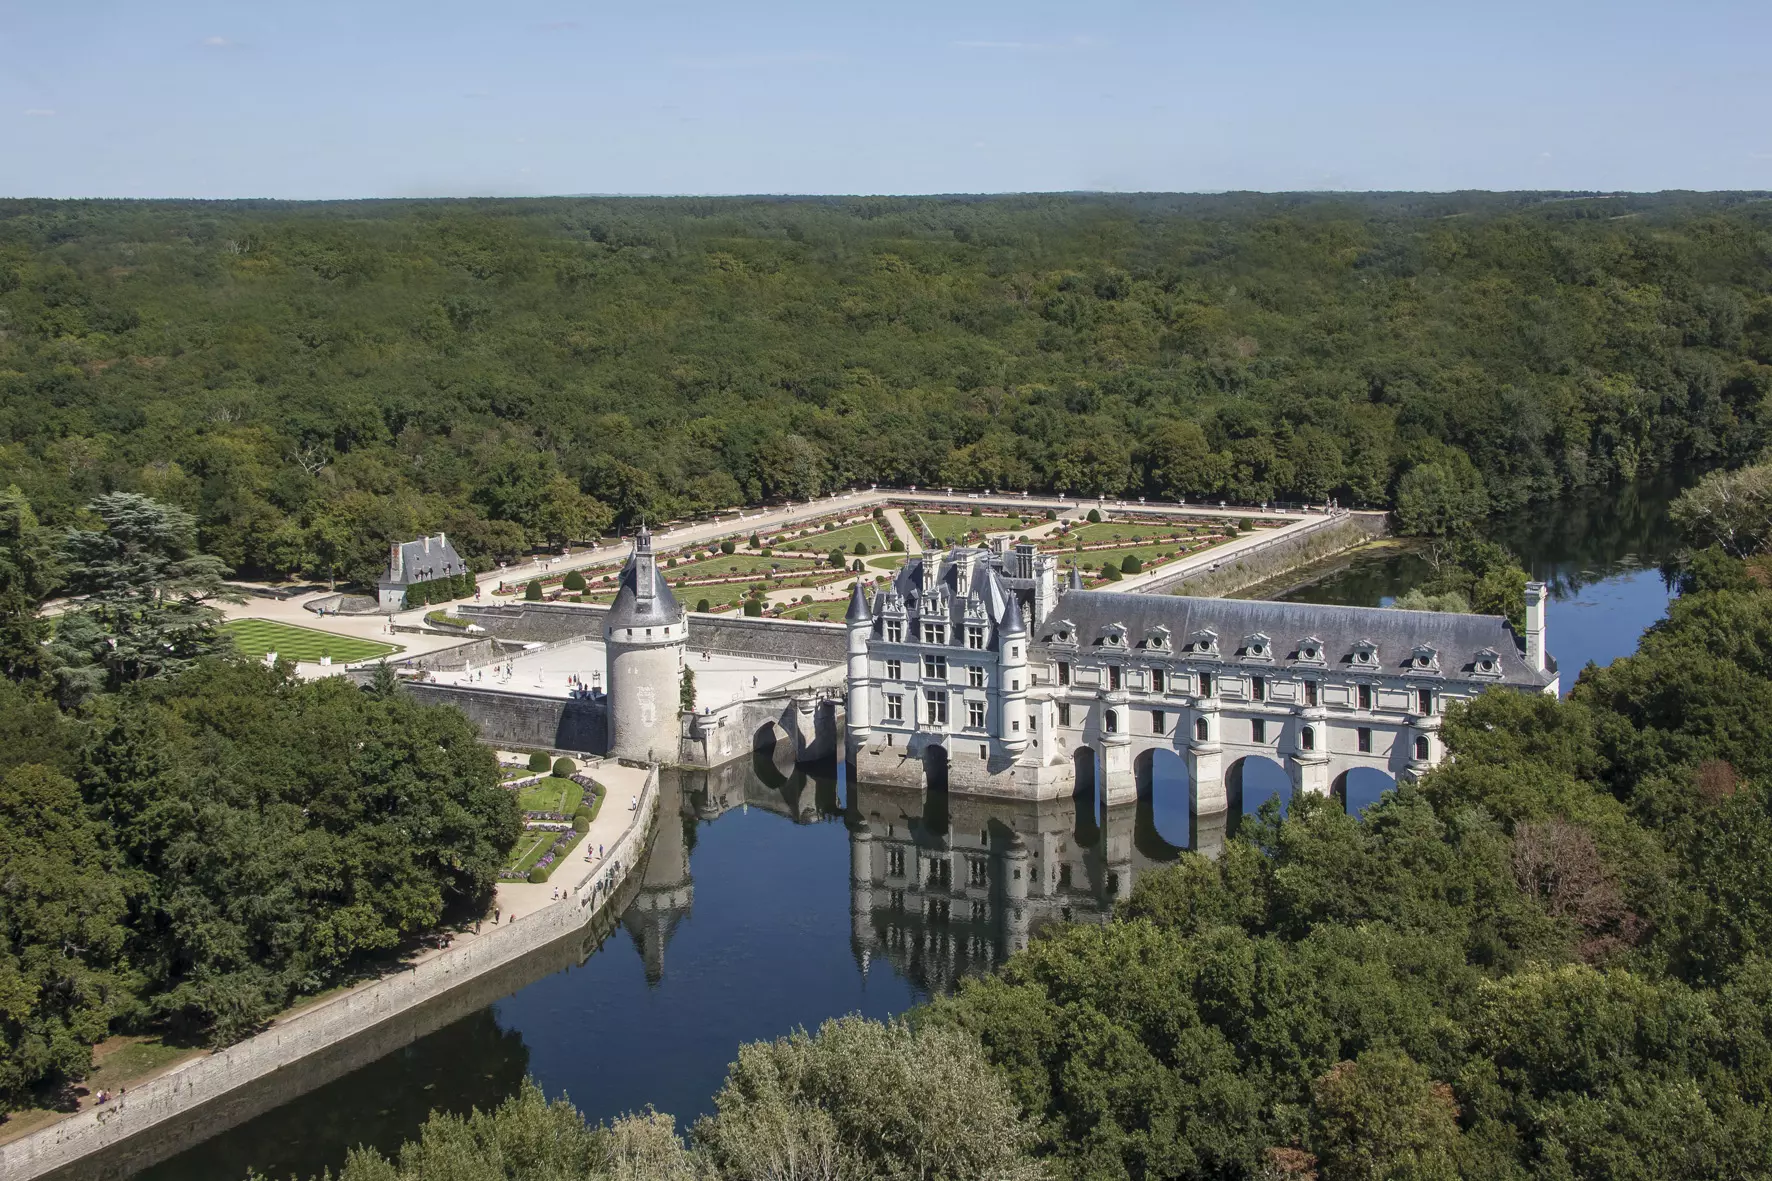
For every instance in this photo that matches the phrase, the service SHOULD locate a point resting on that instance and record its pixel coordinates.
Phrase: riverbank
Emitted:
(532, 917)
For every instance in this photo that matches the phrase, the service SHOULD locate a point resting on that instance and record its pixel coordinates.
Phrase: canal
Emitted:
(758, 915)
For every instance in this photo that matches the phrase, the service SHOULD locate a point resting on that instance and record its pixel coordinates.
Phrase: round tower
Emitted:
(1012, 688)
(644, 636)
(860, 622)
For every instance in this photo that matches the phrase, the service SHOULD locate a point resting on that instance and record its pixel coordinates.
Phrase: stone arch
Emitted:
(1087, 827)
(1252, 781)
(1166, 808)
(935, 766)
(1358, 788)
(770, 739)
(1110, 721)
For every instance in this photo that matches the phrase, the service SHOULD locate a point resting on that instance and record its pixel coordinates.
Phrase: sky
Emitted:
(386, 98)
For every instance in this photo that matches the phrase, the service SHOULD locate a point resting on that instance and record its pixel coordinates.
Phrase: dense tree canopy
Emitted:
(310, 380)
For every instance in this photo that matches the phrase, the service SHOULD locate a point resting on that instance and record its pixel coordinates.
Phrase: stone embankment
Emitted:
(1267, 558)
(183, 1093)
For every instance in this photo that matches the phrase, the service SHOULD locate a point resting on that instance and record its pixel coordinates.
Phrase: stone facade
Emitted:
(416, 561)
(644, 634)
(973, 672)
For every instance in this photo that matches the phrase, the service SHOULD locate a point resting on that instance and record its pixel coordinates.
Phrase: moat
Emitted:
(757, 915)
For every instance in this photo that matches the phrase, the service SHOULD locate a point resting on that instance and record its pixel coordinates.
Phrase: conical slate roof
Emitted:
(643, 599)
(858, 606)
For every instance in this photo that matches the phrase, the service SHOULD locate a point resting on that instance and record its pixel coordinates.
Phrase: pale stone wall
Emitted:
(178, 1094)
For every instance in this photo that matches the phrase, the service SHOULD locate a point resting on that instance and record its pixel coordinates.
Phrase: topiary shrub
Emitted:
(575, 582)
(1095, 516)
(581, 820)
(538, 876)
(879, 512)
(977, 511)
(728, 546)
(1246, 524)
(1052, 514)
(768, 551)
(897, 546)
(703, 606)
(532, 592)
(837, 559)
(564, 767)
(829, 525)
(538, 761)
(754, 541)
(1111, 572)
(1131, 564)
(753, 608)
(861, 547)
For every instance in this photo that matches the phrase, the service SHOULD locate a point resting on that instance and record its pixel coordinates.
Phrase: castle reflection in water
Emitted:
(940, 886)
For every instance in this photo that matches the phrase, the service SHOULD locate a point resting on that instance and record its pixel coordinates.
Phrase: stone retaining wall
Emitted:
(735, 635)
(179, 1094)
(1286, 553)
(524, 720)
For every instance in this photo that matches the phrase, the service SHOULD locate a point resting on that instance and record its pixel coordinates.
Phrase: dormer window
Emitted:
(1310, 649)
(1366, 653)
(1158, 639)
(1487, 663)
(1114, 636)
(1203, 642)
(1258, 647)
(1424, 658)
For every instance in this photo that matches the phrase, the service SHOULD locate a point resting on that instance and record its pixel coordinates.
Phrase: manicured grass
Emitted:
(562, 859)
(889, 562)
(1125, 531)
(820, 542)
(958, 525)
(552, 794)
(731, 565)
(255, 637)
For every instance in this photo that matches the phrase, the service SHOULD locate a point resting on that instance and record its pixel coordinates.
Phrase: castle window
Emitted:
(1258, 730)
(975, 714)
(1110, 722)
(1424, 702)
(1258, 688)
(1488, 666)
(938, 708)
(1113, 672)
(975, 676)
(974, 636)
(935, 633)
(1157, 721)
(894, 707)
(1421, 747)
(1156, 680)
(1205, 684)
(1015, 684)
(1064, 876)
(1310, 693)
(984, 752)
(1363, 740)
(895, 863)
(1033, 723)
(1200, 731)
(894, 670)
(1064, 715)
(1363, 696)
(1015, 651)
(894, 631)
(978, 872)
(935, 668)
(1064, 672)
(1307, 739)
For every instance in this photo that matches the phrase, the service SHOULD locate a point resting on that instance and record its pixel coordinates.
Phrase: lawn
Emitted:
(552, 794)
(821, 542)
(732, 565)
(256, 637)
(958, 525)
(1126, 531)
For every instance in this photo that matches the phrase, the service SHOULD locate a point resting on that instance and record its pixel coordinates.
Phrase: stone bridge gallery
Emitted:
(980, 671)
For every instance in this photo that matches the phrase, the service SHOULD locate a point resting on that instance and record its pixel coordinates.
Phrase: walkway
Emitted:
(516, 899)
(912, 543)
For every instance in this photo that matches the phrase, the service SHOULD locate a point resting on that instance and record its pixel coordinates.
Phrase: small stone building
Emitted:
(412, 562)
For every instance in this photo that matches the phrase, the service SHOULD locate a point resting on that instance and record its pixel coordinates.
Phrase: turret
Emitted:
(861, 893)
(644, 636)
(1012, 659)
(1017, 866)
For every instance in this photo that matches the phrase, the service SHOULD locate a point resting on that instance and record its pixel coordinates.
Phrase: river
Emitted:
(748, 923)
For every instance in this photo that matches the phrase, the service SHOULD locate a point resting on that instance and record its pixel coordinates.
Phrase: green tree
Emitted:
(1445, 498)
(686, 692)
(1383, 1116)
(1731, 509)
(532, 593)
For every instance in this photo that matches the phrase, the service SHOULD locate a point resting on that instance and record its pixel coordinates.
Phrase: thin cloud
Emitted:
(755, 61)
(219, 43)
(39, 112)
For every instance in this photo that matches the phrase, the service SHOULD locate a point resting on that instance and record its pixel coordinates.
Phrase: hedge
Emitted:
(532, 592)
(753, 607)
(439, 590)
(564, 767)
(538, 761)
(1111, 572)
(574, 581)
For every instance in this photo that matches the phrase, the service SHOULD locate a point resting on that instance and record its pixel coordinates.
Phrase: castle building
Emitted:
(644, 636)
(973, 672)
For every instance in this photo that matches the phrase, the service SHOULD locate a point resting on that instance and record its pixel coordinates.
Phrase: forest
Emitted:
(1551, 957)
(311, 380)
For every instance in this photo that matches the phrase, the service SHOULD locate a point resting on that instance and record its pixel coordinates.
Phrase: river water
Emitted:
(757, 915)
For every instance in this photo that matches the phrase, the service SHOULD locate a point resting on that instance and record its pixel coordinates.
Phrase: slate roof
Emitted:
(423, 560)
(1457, 639)
(995, 598)
(632, 608)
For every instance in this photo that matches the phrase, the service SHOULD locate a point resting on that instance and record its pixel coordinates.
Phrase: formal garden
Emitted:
(557, 809)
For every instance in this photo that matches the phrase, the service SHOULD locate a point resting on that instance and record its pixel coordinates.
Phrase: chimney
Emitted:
(963, 559)
(1536, 594)
(396, 568)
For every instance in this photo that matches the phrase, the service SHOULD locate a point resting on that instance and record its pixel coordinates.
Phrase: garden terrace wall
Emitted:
(733, 635)
(204, 1095)
(525, 720)
(1288, 552)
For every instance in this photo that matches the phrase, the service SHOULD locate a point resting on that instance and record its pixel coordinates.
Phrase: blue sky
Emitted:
(371, 98)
